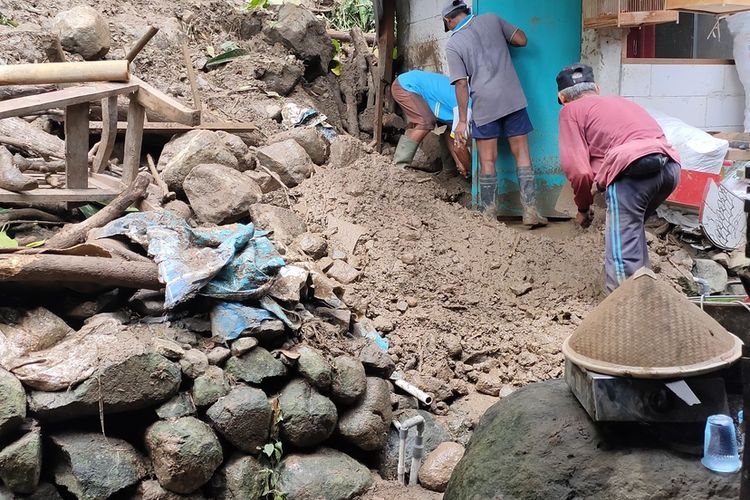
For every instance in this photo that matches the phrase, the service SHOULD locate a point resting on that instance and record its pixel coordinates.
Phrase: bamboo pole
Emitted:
(67, 72)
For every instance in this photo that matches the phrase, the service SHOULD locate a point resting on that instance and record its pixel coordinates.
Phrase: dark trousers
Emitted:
(630, 201)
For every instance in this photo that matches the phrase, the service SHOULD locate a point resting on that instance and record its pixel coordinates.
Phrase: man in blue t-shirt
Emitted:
(427, 99)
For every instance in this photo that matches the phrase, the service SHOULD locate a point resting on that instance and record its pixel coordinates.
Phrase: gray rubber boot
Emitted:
(10, 177)
(488, 194)
(405, 151)
(531, 215)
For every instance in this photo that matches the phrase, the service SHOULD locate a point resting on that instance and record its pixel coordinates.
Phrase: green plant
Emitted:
(348, 14)
(336, 66)
(251, 5)
(7, 21)
(272, 452)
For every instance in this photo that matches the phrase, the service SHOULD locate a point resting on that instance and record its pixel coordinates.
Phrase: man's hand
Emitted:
(584, 219)
(594, 189)
(461, 134)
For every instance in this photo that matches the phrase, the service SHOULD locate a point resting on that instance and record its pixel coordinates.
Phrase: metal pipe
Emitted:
(413, 390)
(403, 431)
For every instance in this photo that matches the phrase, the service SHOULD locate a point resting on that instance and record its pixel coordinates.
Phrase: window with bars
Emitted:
(625, 13)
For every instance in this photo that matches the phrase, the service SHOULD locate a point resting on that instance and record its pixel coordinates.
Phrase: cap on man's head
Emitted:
(573, 75)
(452, 6)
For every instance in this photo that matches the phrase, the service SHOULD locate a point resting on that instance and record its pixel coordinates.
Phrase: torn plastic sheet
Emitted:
(229, 320)
(292, 319)
(688, 222)
(235, 260)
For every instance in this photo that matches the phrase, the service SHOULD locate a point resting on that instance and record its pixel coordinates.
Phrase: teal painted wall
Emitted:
(553, 28)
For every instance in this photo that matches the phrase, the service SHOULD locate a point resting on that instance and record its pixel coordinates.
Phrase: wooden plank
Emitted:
(709, 6)
(133, 141)
(165, 106)
(57, 195)
(647, 60)
(109, 134)
(22, 106)
(77, 146)
(191, 75)
(64, 72)
(738, 155)
(106, 182)
(166, 128)
(386, 43)
(630, 19)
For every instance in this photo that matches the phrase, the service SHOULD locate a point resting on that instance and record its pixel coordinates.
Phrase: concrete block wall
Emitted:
(707, 96)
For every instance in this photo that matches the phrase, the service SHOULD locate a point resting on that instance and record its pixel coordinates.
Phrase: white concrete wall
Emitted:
(707, 96)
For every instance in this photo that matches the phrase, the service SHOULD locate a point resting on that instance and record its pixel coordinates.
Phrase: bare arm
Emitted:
(462, 96)
(519, 39)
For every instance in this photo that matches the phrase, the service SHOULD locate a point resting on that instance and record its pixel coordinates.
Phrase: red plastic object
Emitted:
(690, 190)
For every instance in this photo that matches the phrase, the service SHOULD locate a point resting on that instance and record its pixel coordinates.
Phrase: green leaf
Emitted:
(337, 68)
(89, 209)
(225, 57)
(6, 241)
(4, 210)
(269, 449)
(36, 244)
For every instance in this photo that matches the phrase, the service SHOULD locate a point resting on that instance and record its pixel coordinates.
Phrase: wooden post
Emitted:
(386, 43)
(77, 146)
(109, 134)
(138, 47)
(133, 140)
(191, 75)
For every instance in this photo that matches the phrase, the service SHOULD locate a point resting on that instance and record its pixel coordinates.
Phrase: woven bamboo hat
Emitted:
(645, 329)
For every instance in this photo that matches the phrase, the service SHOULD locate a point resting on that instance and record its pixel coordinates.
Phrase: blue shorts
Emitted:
(512, 125)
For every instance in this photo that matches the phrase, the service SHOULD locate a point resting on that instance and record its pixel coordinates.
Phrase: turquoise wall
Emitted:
(554, 31)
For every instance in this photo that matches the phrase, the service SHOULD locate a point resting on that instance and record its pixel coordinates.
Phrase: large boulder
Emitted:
(314, 367)
(345, 151)
(82, 30)
(185, 453)
(255, 367)
(349, 380)
(288, 160)
(243, 417)
(539, 443)
(376, 361)
(264, 180)
(151, 490)
(209, 387)
(285, 224)
(139, 382)
(45, 491)
(94, 467)
(438, 466)
(281, 78)
(239, 149)
(434, 434)
(310, 139)
(713, 273)
(220, 194)
(21, 463)
(179, 406)
(301, 32)
(326, 473)
(309, 418)
(185, 152)
(13, 407)
(240, 479)
(366, 424)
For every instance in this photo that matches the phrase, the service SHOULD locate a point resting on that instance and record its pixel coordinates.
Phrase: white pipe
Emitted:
(411, 389)
(403, 431)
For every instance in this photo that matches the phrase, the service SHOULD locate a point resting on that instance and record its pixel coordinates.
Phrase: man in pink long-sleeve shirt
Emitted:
(611, 144)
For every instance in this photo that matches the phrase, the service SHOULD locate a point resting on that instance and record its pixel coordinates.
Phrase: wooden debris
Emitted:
(141, 43)
(167, 195)
(28, 214)
(76, 233)
(10, 177)
(21, 135)
(64, 72)
(343, 36)
(13, 91)
(191, 75)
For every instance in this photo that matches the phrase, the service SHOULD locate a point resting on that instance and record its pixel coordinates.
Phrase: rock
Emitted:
(94, 467)
(218, 355)
(168, 348)
(45, 491)
(339, 254)
(139, 382)
(147, 302)
(82, 30)
(185, 453)
(506, 390)
(490, 383)
(402, 305)
(152, 490)
(366, 424)
(314, 367)
(343, 272)
(452, 345)
(21, 463)
(240, 479)
(438, 466)
(313, 245)
(408, 258)
(194, 363)
(520, 289)
(289, 284)
(179, 406)
(180, 208)
(185, 152)
(310, 139)
(300, 31)
(285, 224)
(434, 434)
(13, 407)
(281, 78)
(383, 324)
(255, 367)
(243, 345)
(540, 443)
(376, 362)
(220, 194)
(721, 258)
(288, 160)
(239, 149)
(309, 418)
(264, 180)
(738, 260)
(270, 330)
(243, 417)
(326, 473)
(345, 151)
(713, 273)
(209, 387)
(349, 380)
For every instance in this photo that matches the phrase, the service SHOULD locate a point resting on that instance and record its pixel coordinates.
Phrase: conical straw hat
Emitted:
(645, 329)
